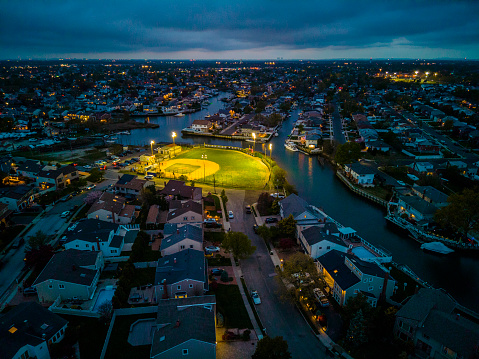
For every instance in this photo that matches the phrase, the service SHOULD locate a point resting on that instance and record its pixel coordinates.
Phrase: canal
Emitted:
(457, 274)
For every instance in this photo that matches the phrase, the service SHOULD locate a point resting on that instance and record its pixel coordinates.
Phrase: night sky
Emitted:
(239, 29)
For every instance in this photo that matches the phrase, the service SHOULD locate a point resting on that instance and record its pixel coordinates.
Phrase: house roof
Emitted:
(108, 202)
(67, 266)
(173, 188)
(419, 204)
(293, 204)
(360, 169)
(187, 264)
(420, 304)
(316, 234)
(153, 214)
(30, 166)
(186, 232)
(430, 192)
(17, 192)
(32, 322)
(125, 179)
(189, 206)
(116, 241)
(91, 230)
(178, 325)
(333, 262)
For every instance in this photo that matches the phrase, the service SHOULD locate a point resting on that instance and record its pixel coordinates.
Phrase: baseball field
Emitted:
(228, 168)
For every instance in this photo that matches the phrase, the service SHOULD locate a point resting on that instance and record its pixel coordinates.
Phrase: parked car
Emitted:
(255, 297)
(208, 254)
(277, 195)
(271, 220)
(321, 297)
(210, 220)
(29, 291)
(148, 177)
(217, 271)
(231, 215)
(212, 249)
(255, 228)
(65, 214)
(135, 297)
(18, 242)
(91, 186)
(248, 209)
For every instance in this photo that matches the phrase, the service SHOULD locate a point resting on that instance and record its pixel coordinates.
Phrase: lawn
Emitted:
(118, 347)
(230, 304)
(236, 169)
(214, 237)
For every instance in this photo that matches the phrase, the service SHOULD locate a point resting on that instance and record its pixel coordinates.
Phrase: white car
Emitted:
(91, 186)
(231, 215)
(65, 214)
(212, 249)
(277, 195)
(148, 177)
(255, 297)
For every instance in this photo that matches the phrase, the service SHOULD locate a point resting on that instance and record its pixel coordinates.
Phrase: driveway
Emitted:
(278, 316)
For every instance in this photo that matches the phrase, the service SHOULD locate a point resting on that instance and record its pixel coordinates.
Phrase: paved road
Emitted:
(337, 124)
(280, 318)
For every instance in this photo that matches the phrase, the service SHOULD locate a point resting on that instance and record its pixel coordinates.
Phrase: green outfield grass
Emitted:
(236, 168)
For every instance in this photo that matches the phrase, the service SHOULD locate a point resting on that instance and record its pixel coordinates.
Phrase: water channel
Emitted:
(458, 274)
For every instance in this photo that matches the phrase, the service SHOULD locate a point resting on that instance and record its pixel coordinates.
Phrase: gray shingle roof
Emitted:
(294, 205)
(188, 231)
(430, 192)
(29, 319)
(187, 264)
(316, 234)
(91, 229)
(419, 305)
(178, 326)
(333, 262)
(419, 204)
(66, 266)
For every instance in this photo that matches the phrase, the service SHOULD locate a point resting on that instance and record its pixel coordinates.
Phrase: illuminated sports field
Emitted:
(229, 168)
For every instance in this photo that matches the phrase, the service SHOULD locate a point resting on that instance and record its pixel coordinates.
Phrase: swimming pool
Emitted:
(104, 295)
(363, 253)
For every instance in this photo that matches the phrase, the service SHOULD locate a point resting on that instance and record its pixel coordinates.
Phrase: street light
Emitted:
(204, 157)
(173, 134)
(254, 141)
(152, 143)
(270, 149)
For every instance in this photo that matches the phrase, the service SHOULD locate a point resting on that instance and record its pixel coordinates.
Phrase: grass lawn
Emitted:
(118, 347)
(230, 304)
(236, 168)
(219, 261)
(214, 237)
(88, 332)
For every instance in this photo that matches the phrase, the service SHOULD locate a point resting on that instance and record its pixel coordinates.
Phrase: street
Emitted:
(279, 317)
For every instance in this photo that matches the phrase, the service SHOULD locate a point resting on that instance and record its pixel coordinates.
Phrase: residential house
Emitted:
(185, 237)
(428, 147)
(17, 197)
(112, 208)
(94, 235)
(185, 212)
(185, 327)
(434, 323)
(178, 189)
(29, 169)
(422, 168)
(28, 330)
(416, 208)
(5, 213)
(360, 174)
(378, 145)
(318, 240)
(201, 125)
(130, 184)
(70, 273)
(431, 195)
(311, 140)
(182, 274)
(153, 217)
(347, 276)
(5, 164)
(304, 214)
(170, 150)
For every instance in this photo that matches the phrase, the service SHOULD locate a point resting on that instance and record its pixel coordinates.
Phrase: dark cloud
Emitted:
(212, 28)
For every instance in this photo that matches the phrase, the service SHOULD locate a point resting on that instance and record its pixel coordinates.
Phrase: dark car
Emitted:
(217, 271)
(255, 228)
(29, 291)
(271, 220)
(248, 209)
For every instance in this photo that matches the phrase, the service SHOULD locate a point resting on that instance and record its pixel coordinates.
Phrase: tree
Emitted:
(356, 333)
(299, 267)
(265, 202)
(95, 175)
(462, 213)
(36, 241)
(272, 348)
(279, 176)
(239, 244)
(37, 250)
(287, 227)
(448, 125)
(92, 197)
(106, 312)
(347, 153)
(224, 198)
(141, 247)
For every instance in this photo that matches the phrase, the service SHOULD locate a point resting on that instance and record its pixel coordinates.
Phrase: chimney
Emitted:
(178, 231)
(98, 243)
(175, 260)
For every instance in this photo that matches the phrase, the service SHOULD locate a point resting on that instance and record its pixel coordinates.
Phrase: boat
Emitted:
(291, 146)
(276, 134)
(124, 133)
(179, 114)
(436, 247)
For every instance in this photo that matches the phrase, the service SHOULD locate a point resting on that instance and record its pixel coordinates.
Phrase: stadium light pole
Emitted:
(204, 157)
(173, 134)
(254, 142)
(270, 149)
(151, 144)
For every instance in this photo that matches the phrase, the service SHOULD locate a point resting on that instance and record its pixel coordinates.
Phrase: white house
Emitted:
(360, 174)
(318, 240)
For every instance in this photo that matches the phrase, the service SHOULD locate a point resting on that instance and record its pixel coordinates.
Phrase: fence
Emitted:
(359, 191)
(54, 308)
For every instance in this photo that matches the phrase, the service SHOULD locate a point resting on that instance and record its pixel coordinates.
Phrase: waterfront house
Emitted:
(185, 237)
(304, 214)
(360, 174)
(202, 125)
(28, 330)
(185, 327)
(318, 240)
(434, 322)
(29, 169)
(182, 274)
(70, 273)
(421, 168)
(378, 145)
(94, 235)
(416, 209)
(112, 208)
(431, 195)
(347, 276)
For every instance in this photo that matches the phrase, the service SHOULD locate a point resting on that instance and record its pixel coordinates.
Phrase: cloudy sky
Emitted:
(239, 29)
